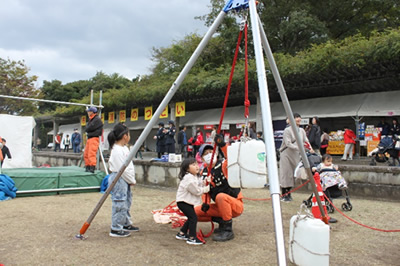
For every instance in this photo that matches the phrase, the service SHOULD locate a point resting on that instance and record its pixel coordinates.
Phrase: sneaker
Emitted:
(120, 233)
(343, 159)
(181, 237)
(194, 241)
(130, 228)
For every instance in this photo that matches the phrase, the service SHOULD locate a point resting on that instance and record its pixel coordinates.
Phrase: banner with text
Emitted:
(83, 120)
(134, 114)
(122, 116)
(164, 113)
(111, 117)
(148, 113)
(180, 109)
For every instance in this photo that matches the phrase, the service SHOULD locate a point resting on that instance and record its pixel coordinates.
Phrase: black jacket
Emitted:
(180, 136)
(160, 137)
(221, 183)
(169, 136)
(6, 152)
(315, 137)
(94, 127)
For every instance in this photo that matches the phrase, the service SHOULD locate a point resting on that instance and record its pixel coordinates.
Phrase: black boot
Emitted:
(87, 168)
(92, 168)
(219, 221)
(290, 194)
(226, 233)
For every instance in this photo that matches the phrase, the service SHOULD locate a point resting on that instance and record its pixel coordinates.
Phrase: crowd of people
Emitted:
(190, 146)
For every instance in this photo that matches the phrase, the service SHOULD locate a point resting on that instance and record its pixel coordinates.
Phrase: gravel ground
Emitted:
(40, 231)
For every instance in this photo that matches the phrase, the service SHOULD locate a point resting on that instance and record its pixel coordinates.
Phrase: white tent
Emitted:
(17, 130)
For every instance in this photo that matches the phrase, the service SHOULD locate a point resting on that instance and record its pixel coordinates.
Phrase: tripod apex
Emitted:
(236, 5)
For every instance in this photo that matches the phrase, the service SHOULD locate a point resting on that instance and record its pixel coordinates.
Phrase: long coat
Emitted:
(290, 156)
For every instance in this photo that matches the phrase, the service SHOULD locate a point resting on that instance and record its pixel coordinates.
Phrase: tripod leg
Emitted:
(154, 118)
(269, 135)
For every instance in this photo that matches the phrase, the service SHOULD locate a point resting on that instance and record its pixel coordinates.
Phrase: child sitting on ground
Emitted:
(121, 224)
(329, 173)
(191, 188)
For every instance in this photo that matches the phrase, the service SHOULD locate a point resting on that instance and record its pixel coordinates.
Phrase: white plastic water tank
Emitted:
(308, 241)
(247, 165)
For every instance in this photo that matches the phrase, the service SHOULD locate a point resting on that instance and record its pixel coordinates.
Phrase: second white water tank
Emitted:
(247, 165)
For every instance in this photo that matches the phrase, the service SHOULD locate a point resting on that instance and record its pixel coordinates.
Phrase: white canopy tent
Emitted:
(17, 130)
(366, 104)
(380, 104)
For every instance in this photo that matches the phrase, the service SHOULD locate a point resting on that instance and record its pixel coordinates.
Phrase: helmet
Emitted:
(92, 109)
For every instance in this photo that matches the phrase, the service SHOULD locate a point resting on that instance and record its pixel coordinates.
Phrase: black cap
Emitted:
(161, 124)
(205, 147)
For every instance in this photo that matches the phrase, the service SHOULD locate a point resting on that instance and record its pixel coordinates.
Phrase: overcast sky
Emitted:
(71, 40)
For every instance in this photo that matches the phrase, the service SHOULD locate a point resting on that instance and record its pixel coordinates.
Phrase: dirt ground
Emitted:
(40, 231)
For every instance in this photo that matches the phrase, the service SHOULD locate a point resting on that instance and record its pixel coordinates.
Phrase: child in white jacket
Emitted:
(190, 190)
(121, 223)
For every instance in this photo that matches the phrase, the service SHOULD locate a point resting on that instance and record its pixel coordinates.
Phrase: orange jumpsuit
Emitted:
(228, 202)
(94, 129)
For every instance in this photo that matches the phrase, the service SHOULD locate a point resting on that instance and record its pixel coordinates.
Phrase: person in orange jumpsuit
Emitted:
(228, 201)
(94, 129)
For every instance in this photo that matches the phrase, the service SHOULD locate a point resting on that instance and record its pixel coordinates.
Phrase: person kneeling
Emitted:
(227, 200)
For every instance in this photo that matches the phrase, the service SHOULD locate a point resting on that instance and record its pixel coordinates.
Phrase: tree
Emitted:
(294, 25)
(54, 90)
(15, 81)
(79, 90)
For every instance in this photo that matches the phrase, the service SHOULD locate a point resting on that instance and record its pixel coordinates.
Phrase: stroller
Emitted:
(385, 150)
(333, 184)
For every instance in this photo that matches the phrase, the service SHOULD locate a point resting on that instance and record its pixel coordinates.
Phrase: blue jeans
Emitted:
(76, 148)
(121, 197)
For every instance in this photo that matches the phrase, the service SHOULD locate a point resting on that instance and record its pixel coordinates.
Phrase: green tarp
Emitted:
(53, 178)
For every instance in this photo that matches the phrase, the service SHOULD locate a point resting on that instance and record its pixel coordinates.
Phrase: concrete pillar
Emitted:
(173, 118)
(56, 125)
(258, 116)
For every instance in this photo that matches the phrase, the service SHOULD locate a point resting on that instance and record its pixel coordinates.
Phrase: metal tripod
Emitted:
(260, 40)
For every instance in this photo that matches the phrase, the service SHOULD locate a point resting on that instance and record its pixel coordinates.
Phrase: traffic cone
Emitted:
(315, 209)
